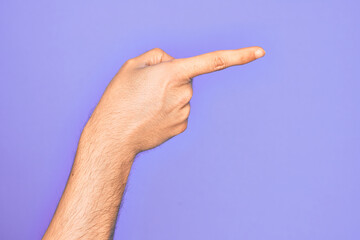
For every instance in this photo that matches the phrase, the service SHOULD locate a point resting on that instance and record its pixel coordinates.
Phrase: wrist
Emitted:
(104, 146)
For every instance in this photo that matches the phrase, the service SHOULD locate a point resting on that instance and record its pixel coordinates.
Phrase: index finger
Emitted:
(218, 60)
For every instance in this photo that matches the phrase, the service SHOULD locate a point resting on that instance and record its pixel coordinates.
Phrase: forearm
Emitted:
(145, 104)
(91, 200)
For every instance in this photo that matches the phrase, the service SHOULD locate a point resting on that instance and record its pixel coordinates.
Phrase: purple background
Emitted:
(272, 148)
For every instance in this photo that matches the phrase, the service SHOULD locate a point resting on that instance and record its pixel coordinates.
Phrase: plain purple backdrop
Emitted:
(272, 150)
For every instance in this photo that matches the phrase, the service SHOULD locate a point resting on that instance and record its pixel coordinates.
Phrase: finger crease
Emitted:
(219, 63)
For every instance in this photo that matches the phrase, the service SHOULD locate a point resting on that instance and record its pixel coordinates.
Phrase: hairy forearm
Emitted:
(91, 200)
(145, 104)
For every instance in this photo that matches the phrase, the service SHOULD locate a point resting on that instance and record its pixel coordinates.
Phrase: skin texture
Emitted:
(145, 104)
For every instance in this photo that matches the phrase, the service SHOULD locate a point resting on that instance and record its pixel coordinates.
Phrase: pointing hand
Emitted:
(147, 102)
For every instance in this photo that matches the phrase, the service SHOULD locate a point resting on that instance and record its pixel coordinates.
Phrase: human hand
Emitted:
(147, 102)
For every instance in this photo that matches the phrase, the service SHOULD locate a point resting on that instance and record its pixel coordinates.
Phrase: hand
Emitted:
(147, 102)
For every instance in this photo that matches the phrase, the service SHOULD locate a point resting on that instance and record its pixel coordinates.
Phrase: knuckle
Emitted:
(247, 57)
(186, 111)
(157, 50)
(130, 62)
(186, 97)
(188, 94)
(182, 127)
(219, 63)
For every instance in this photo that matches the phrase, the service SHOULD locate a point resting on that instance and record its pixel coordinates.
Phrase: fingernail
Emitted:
(259, 53)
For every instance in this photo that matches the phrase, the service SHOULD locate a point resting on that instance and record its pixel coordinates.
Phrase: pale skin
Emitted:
(145, 104)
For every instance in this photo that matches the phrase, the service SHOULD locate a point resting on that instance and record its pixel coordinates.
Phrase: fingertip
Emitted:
(260, 52)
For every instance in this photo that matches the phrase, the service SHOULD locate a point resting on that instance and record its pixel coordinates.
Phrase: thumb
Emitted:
(152, 57)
